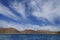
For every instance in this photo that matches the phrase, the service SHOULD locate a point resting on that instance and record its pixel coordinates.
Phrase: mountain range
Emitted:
(14, 31)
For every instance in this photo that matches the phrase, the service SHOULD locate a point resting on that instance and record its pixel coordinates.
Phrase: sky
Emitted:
(30, 14)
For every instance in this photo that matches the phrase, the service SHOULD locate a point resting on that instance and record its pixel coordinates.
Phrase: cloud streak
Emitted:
(19, 7)
(6, 12)
(22, 27)
(47, 10)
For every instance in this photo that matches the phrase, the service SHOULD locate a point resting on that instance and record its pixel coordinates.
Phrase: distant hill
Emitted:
(14, 31)
(8, 31)
(38, 32)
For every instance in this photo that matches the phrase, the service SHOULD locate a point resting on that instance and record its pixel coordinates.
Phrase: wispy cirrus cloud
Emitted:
(6, 12)
(48, 9)
(22, 27)
(19, 7)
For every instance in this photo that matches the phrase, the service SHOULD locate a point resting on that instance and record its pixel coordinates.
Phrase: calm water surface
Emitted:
(29, 36)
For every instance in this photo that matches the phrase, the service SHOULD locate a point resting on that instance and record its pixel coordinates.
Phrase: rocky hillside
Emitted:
(8, 31)
(14, 31)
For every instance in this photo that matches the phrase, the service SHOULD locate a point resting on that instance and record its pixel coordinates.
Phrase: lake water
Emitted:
(29, 36)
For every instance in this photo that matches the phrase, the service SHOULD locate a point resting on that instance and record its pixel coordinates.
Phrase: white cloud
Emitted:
(6, 12)
(48, 10)
(22, 27)
(19, 7)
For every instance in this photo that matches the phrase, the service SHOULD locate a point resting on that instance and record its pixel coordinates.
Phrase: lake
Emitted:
(29, 36)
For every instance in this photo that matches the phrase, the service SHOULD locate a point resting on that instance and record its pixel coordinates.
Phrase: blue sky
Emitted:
(30, 14)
